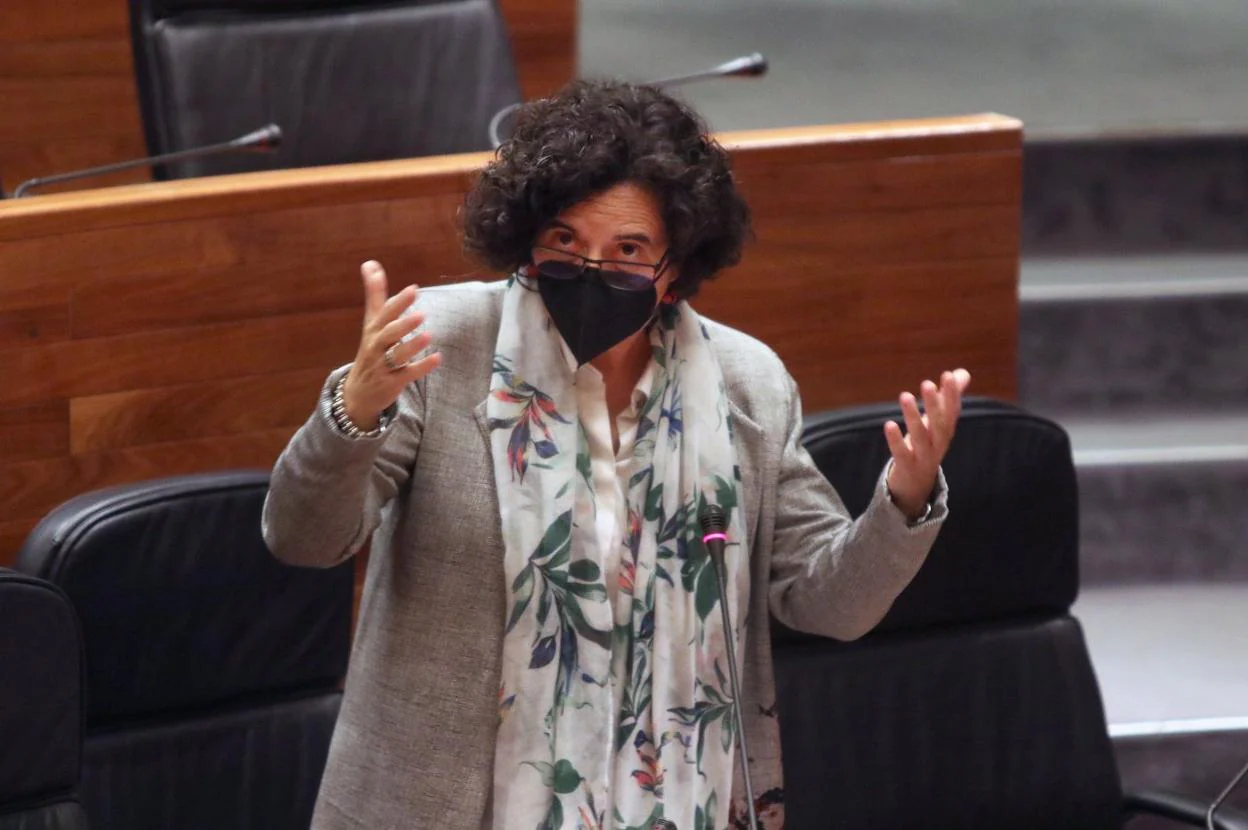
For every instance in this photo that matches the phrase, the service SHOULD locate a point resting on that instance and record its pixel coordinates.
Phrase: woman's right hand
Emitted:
(375, 380)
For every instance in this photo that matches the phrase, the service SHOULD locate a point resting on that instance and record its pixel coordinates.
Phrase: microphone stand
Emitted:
(714, 524)
(266, 139)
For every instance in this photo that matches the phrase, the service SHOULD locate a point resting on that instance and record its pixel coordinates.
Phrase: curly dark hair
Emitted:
(589, 137)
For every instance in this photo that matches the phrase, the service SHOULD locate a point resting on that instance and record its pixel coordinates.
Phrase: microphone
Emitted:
(746, 66)
(265, 139)
(1221, 799)
(714, 524)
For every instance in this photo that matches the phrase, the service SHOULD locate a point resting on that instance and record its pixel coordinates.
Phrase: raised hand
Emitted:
(917, 454)
(383, 365)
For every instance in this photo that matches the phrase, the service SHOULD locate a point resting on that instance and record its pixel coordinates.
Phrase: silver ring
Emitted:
(388, 359)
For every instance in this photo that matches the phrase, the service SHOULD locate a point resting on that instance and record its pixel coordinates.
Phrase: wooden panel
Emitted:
(29, 489)
(883, 184)
(50, 261)
(39, 156)
(34, 432)
(66, 74)
(79, 368)
(543, 42)
(12, 534)
(249, 290)
(873, 317)
(77, 106)
(167, 328)
(33, 316)
(189, 412)
(41, 22)
(66, 59)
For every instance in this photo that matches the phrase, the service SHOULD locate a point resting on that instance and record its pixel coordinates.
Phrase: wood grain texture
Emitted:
(167, 328)
(185, 412)
(30, 489)
(33, 432)
(79, 368)
(543, 42)
(33, 316)
(67, 81)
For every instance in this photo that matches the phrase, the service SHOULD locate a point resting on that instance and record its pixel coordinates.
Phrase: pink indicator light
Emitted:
(723, 537)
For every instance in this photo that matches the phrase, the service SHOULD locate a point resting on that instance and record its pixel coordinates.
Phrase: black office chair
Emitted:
(213, 671)
(346, 81)
(41, 707)
(974, 703)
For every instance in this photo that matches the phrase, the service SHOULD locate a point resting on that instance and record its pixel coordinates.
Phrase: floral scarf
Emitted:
(613, 717)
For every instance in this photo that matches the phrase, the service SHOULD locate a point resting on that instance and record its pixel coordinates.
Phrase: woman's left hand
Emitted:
(917, 454)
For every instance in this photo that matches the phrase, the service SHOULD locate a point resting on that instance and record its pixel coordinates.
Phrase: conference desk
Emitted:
(167, 328)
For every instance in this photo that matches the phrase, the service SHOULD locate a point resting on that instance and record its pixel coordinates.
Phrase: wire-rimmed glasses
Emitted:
(625, 275)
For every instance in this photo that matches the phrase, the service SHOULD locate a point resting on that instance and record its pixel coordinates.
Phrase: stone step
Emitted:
(1170, 662)
(1106, 335)
(1163, 497)
(1101, 193)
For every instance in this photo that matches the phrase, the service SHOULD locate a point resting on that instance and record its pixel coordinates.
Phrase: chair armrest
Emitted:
(1182, 809)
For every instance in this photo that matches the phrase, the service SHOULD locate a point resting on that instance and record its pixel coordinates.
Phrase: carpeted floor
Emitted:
(1057, 64)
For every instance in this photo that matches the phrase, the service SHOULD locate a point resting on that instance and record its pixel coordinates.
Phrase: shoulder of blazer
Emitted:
(462, 319)
(462, 322)
(756, 379)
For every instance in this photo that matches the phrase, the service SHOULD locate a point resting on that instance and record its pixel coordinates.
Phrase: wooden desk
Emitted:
(67, 92)
(167, 328)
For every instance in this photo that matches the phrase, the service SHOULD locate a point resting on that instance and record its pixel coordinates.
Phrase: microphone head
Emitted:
(746, 66)
(713, 520)
(264, 139)
(752, 66)
(663, 824)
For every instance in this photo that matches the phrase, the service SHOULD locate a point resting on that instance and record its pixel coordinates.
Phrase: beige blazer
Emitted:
(414, 744)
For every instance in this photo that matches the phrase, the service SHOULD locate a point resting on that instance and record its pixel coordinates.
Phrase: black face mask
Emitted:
(593, 316)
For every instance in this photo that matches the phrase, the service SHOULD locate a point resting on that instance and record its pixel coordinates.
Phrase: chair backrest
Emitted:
(346, 81)
(213, 671)
(973, 704)
(41, 707)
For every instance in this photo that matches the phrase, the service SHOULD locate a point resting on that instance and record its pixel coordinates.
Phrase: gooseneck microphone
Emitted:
(746, 66)
(714, 524)
(266, 139)
(753, 65)
(1221, 799)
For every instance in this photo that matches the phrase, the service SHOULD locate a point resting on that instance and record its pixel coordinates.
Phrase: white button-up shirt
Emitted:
(610, 469)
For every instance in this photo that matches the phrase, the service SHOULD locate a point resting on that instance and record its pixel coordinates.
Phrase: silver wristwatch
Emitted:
(338, 411)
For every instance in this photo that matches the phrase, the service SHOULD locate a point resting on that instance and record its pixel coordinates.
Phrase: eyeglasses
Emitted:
(625, 275)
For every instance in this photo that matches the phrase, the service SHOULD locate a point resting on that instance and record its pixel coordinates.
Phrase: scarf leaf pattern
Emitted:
(614, 708)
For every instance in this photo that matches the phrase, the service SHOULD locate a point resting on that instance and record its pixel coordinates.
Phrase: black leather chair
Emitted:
(41, 707)
(346, 81)
(213, 671)
(974, 703)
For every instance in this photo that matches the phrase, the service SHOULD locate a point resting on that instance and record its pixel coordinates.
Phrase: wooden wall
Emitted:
(67, 95)
(176, 327)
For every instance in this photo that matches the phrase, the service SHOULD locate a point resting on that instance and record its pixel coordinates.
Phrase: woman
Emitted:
(539, 643)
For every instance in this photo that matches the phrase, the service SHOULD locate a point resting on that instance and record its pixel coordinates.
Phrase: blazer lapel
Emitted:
(483, 423)
(748, 441)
